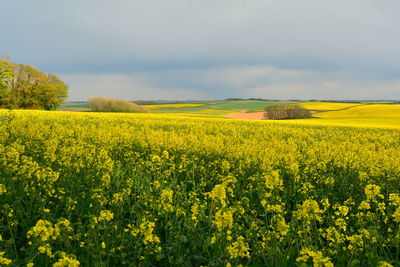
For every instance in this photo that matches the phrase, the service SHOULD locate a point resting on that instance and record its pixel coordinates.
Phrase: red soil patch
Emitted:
(247, 116)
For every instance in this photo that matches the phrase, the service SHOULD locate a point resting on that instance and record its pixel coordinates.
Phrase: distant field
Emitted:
(248, 105)
(216, 108)
(322, 106)
(331, 113)
(183, 105)
(366, 111)
(361, 115)
(198, 108)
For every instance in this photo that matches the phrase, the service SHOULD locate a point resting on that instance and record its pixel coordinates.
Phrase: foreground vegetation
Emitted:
(150, 189)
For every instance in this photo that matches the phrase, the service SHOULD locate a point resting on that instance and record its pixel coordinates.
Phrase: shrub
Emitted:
(286, 112)
(104, 104)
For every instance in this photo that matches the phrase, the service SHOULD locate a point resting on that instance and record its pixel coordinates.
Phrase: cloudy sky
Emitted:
(210, 49)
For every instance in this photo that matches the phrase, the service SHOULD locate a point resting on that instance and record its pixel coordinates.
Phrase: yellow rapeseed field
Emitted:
(366, 111)
(182, 105)
(322, 106)
(364, 115)
(96, 189)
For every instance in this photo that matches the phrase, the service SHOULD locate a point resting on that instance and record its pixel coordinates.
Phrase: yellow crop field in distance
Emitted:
(182, 105)
(367, 115)
(323, 106)
(366, 111)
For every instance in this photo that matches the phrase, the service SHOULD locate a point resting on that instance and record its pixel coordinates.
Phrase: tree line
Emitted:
(25, 87)
(286, 112)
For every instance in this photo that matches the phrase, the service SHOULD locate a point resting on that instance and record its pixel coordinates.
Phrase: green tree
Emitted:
(6, 78)
(25, 87)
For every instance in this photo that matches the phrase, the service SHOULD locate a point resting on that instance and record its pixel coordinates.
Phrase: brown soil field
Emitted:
(247, 116)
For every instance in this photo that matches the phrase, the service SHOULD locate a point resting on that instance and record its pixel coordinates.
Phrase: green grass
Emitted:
(215, 108)
(221, 107)
(248, 105)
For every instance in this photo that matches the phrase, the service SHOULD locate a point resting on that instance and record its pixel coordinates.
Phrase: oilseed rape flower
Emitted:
(43, 230)
(309, 211)
(219, 194)
(239, 249)
(396, 215)
(316, 257)
(166, 199)
(153, 189)
(66, 261)
(46, 249)
(195, 209)
(105, 215)
(394, 199)
(384, 264)
(372, 192)
(223, 219)
(274, 181)
(3, 189)
(4, 260)
(147, 230)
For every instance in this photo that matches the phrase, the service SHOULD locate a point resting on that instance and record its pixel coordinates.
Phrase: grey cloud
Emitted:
(221, 82)
(212, 44)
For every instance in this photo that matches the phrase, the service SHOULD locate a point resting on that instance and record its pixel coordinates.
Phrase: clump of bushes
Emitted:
(104, 104)
(286, 112)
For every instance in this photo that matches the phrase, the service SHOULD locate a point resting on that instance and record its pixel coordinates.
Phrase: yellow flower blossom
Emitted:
(67, 261)
(394, 199)
(219, 193)
(4, 260)
(195, 211)
(105, 215)
(384, 264)
(223, 219)
(273, 181)
(3, 189)
(372, 192)
(396, 215)
(317, 258)
(43, 230)
(166, 199)
(147, 230)
(309, 210)
(364, 205)
(239, 249)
